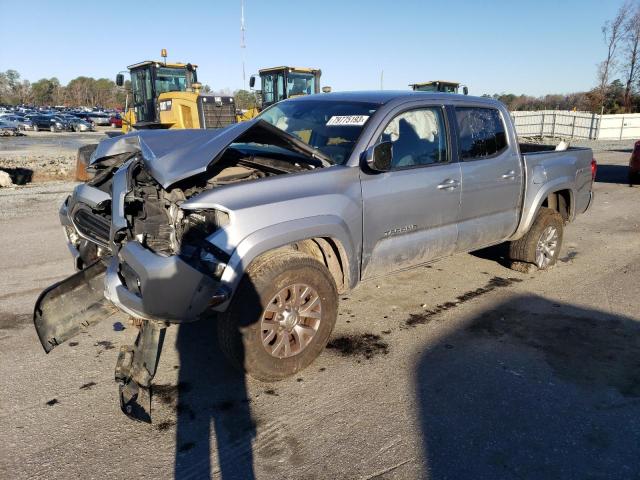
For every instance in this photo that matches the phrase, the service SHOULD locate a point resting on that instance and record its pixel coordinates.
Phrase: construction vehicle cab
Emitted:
(280, 83)
(167, 95)
(438, 86)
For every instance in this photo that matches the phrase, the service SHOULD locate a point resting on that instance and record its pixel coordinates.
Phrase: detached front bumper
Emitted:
(154, 287)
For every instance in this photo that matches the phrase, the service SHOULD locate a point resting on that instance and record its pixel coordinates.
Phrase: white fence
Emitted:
(568, 124)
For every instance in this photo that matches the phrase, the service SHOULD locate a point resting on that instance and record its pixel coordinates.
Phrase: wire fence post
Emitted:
(553, 126)
(542, 126)
(573, 127)
(621, 128)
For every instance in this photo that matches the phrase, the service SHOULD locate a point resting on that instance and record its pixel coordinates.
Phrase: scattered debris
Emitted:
(104, 343)
(166, 425)
(52, 402)
(5, 179)
(495, 282)
(271, 391)
(118, 327)
(87, 386)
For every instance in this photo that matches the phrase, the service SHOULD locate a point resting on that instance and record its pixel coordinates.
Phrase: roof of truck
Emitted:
(385, 96)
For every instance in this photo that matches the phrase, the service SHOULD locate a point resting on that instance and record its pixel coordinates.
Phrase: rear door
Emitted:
(410, 212)
(491, 177)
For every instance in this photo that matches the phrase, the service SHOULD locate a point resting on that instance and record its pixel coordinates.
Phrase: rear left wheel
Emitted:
(281, 317)
(541, 244)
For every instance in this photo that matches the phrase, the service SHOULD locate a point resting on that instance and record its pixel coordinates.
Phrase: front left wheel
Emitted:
(281, 316)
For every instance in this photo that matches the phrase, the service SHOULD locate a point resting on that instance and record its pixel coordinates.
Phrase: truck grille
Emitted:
(216, 111)
(92, 226)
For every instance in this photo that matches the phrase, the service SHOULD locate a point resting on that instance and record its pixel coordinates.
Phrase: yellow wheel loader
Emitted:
(165, 95)
(280, 83)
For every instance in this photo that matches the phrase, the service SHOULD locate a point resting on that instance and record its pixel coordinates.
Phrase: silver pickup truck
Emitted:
(266, 222)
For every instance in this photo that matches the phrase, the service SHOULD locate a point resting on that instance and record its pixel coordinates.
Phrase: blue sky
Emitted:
(519, 46)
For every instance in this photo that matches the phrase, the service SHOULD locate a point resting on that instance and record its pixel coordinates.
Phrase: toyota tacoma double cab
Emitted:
(265, 223)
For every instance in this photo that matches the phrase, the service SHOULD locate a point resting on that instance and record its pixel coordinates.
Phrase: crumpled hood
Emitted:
(173, 155)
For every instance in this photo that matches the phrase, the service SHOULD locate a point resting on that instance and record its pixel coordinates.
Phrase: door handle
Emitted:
(448, 184)
(510, 174)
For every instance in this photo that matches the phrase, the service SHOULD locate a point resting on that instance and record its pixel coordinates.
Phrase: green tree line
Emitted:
(614, 98)
(49, 91)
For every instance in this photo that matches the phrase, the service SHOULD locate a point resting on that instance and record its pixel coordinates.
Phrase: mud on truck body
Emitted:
(264, 223)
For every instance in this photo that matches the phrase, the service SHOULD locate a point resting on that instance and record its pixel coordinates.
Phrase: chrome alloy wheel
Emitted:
(547, 245)
(290, 320)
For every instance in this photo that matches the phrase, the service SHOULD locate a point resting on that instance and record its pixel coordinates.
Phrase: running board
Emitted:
(69, 306)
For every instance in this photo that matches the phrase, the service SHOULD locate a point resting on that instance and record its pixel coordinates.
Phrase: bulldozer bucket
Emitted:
(65, 308)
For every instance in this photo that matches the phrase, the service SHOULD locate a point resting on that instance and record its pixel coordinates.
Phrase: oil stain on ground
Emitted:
(365, 345)
(582, 350)
(424, 317)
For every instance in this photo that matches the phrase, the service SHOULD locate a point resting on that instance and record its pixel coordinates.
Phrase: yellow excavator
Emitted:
(280, 83)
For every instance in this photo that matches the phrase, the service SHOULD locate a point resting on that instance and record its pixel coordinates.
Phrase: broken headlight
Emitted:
(194, 247)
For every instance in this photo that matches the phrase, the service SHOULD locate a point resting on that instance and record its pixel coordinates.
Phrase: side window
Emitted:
(481, 132)
(267, 88)
(419, 138)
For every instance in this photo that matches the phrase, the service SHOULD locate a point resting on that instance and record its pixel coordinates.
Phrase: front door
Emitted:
(491, 178)
(410, 212)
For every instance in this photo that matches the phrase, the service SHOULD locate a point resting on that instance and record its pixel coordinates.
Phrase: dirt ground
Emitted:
(461, 369)
(48, 156)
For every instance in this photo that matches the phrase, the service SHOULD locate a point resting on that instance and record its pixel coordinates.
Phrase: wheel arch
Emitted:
(325, 238)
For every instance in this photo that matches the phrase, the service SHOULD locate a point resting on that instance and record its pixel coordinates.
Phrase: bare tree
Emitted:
(631, 54)
(613, 32)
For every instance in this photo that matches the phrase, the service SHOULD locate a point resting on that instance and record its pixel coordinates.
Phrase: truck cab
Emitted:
(438, 86)
(280, 83)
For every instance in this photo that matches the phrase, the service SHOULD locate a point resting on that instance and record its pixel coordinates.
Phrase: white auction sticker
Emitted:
(340, 120)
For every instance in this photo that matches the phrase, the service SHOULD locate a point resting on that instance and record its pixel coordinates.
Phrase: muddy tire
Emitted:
(281, 317)
(542, 243)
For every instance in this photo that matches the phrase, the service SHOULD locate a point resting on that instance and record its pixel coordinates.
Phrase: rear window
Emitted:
(481, 132)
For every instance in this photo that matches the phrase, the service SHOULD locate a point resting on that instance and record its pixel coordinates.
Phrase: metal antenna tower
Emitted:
(243, 45)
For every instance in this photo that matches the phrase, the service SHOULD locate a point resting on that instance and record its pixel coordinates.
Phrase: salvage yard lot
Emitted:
(459, 369)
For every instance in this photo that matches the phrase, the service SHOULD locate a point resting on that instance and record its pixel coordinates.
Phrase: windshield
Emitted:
(331, 127)
(300, 84)
(171, 80)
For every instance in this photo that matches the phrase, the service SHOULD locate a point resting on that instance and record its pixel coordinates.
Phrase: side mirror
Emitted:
(326, 89)
(379, 157)
(119, 79)
(465, 90)
(252, 81)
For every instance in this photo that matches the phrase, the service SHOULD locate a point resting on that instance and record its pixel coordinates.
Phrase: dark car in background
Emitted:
(53, 123)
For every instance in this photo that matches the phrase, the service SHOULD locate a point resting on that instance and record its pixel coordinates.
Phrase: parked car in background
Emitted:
(116, 121)
(19, 121)
(634, 165)
(52, 123)
(98, 118)
(80, 125)
(6, 129)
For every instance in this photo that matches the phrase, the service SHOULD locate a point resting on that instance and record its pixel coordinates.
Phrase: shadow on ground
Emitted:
(212, 404)
(533, 389)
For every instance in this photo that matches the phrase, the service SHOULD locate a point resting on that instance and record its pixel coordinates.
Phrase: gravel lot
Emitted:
(462, 369)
